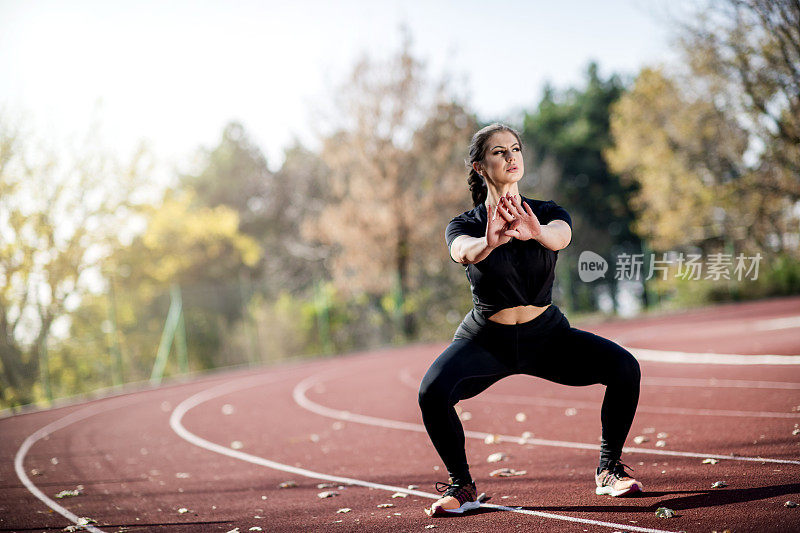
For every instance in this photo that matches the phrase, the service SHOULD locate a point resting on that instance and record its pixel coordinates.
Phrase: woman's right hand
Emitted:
(496, 227)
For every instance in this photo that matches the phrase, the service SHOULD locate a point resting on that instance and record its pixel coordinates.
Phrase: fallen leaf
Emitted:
(664, 512)
(344, 510)
(413, 487)
(521, 417)
(69, 493)
(661, 443)
(496, 457)
(639, 439)
(385, 505)
(287, 485)
(237, 445)
(571, 412)
(718, 485)
(492, 439)
(183, 510)
(326, 485)
(507, 472)
(710, 461)
(790, 504)
(400, 495)
(466, 415)
(327, 494)
(662, 435)
(255, 528)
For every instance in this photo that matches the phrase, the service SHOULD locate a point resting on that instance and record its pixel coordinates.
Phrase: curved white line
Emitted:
(406, 379)
(302, 400)
(683, 411)
(175, 422)
(666, 356)
(718, 383)
(19, 458)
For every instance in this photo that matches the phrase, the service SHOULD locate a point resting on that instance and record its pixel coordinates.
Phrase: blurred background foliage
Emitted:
(343, 249)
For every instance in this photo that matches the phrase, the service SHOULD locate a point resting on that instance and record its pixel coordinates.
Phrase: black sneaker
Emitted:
(466, 496)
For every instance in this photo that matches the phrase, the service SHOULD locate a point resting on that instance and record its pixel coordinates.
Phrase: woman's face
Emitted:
(502, 161)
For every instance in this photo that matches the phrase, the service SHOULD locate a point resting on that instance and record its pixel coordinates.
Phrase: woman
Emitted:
(508, 245)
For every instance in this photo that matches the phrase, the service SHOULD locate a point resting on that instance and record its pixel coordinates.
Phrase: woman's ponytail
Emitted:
(477, 187)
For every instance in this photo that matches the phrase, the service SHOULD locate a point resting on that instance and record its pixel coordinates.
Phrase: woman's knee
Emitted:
(433, 391)
(628, 370)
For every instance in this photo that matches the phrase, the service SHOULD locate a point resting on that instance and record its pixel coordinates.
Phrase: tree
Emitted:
(397, 176)
(199, 248)
(685, 156)
(745, 55)
(715, 148)
(568, 134)
(61, 213)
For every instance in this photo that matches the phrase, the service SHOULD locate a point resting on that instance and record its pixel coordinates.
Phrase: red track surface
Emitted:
(138, 471)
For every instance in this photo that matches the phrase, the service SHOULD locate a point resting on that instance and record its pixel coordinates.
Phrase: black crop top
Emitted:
(515, 273)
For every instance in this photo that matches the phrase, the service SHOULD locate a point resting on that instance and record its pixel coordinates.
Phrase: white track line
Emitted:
(682, 411)
(665, 356)
(408, 380)
(302, 400)
(175, 422)
(719, 383)
(71, 418)
(786, 322)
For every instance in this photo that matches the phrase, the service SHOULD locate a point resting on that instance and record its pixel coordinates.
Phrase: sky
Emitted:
(172, 74)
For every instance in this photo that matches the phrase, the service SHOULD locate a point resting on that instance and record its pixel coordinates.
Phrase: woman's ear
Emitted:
(478, 168)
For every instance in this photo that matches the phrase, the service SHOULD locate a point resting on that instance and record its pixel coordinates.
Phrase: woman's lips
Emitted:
(512, 169)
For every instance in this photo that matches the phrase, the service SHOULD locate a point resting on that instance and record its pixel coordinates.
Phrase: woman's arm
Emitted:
(556, 235)
(468, 250)
(524, 225)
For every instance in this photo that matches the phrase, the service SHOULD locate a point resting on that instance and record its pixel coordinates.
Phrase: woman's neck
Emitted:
(495, 193)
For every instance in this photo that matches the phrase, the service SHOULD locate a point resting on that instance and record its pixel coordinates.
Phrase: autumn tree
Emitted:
(61, 213)
(195, 247)
(567, 135)
(714, 148)
(396, 178)
(685, 155)
(745, 56)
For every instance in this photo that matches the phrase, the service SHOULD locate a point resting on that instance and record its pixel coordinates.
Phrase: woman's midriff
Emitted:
(517, 315)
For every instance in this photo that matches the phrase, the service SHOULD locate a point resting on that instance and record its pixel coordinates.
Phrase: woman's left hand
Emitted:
(522, 223)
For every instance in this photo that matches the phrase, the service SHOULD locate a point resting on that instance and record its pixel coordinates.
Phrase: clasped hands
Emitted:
(516, 220)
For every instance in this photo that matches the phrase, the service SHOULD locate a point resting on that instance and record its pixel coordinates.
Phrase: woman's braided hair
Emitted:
(477, 150)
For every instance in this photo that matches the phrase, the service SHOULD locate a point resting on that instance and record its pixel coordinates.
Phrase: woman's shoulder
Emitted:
(537, 203)
(476, 214)
(548, 210)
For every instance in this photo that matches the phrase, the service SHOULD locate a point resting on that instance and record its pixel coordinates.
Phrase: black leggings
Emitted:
(484, 352)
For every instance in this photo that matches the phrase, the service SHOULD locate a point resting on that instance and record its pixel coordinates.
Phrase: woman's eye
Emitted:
(516, 149)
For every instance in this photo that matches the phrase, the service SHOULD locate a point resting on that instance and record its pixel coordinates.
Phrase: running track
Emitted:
(219, 446)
